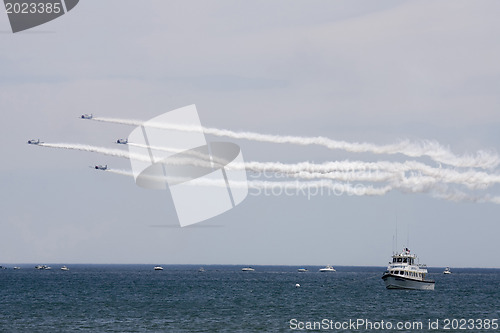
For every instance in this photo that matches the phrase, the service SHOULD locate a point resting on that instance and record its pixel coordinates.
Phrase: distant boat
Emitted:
(447, 270)
(302, 270)
(17, 267)
(201, 269)
(64, 268)
(42, 267)
(248, 269)
(328, 268)
(158, 268)
(404, 273)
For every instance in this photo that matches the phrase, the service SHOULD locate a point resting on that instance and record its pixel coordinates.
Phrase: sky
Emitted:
(358, 71)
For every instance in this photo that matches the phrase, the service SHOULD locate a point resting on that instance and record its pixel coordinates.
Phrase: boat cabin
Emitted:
(403, 260)
(404, 264)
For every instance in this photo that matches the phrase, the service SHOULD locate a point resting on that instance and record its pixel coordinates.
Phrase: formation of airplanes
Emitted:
(85, 116)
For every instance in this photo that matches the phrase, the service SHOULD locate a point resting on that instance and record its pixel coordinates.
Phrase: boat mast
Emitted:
(396, 230)
(393, 244)
(408, 237)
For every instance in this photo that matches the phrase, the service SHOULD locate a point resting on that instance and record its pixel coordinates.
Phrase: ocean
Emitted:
(135, 298)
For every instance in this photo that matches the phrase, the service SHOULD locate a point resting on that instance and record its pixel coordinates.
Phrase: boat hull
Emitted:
(399, 282)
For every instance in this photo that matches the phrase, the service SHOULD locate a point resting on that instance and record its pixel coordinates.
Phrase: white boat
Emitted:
(405, 273)
(44, 267)
(158, 268)
(64, 268)
(247, 269)
(328, 268)
(302, 270)
(17, 267)
(201, 269)
(447, 270)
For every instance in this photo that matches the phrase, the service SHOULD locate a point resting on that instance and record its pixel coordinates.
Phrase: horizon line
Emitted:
(242, 265)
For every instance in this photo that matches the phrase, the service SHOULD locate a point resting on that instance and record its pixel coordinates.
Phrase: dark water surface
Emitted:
(135, 298)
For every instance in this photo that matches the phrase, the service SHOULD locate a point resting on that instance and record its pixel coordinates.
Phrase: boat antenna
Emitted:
(408, 237)
(393, 244)
(396, 230)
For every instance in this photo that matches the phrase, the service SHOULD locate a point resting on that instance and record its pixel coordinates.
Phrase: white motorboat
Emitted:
(158, 268)
(328, 268)
(247, 269)
(405, 273)
(302, 270)
(64, 268)
(447, 270)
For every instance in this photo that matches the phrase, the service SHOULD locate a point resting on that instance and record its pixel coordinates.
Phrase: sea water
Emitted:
(135, 298)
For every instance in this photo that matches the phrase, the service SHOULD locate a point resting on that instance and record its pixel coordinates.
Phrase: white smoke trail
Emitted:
(340, 188)
(123, 154)
(351, 170)
(301, 170)
(120, 172)
(199, 155)
(167, 149)
(408, 185)
(94, 149)
(432, 149)
(428, 179)
(292, 170)
(340, 170)
(471, 178)
(459, 196)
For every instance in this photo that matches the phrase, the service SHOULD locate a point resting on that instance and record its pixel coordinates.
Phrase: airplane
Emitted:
(87, 116)
(122, 141)
(101, 167)
(33, 141)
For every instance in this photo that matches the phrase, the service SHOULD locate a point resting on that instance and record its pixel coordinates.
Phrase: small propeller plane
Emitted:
(101, 167)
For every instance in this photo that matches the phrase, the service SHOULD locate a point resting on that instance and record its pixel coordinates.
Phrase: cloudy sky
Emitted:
(359, 71)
